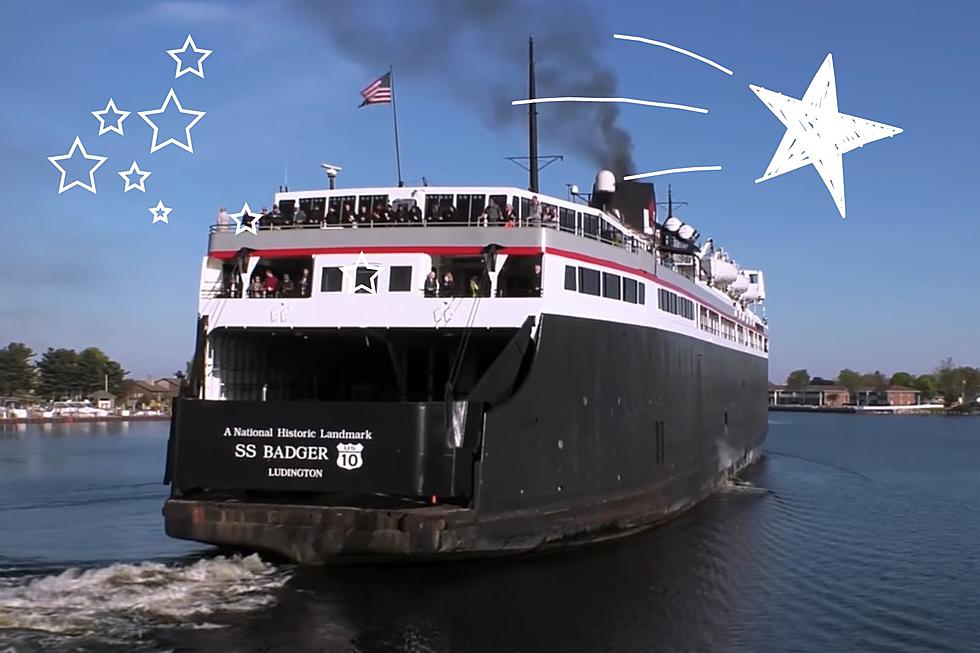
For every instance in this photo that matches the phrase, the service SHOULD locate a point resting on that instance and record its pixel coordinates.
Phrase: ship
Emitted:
(439, 372)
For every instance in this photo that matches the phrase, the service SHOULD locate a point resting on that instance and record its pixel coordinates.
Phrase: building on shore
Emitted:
(836, 396)
(154, 394)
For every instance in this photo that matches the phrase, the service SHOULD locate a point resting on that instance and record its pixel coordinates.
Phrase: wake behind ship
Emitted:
(428, 372)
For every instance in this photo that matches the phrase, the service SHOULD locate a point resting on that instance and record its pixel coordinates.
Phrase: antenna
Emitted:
(331, 171)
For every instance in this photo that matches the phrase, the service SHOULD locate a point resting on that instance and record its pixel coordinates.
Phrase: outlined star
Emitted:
(246, 214)
(350, 271)
(198, 69)
(171, 97)
(134, 170)
(160, 213)
(77, 145)
(117, 127)
(816, 133)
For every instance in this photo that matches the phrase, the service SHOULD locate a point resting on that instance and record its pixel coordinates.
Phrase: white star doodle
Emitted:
(111, 107)
(350, 272)
(160, 213)
(77, 145)
(250, 216)
(816, 133)
(172, 97)
(134, 170)
(197, 69)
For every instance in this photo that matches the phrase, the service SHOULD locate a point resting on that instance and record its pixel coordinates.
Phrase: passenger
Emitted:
(474, 287)
(508, 217)
(434, 215)
(549, 216)
(276, 215)
(224, 220)
(300, 216)
(387, 215)
(271, 284)
(362, 216)
(288, 289)
(304, 283)
(534, 213)
(347, 217)
(536, 281)
(491, 215)
(265, 218)
(449, 214)
(401, 216)
(448, 288)
(256, 289)
(414, 214)
(431, 288)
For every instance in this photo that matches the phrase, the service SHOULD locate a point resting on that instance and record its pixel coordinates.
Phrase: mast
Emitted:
(532, 119)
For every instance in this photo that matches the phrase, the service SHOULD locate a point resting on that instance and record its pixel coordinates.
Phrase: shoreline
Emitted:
(872, 410)
(83, 420)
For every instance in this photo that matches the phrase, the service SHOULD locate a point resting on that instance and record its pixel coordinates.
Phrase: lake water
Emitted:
(863, 534)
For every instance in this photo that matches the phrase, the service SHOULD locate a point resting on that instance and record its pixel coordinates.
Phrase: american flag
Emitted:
(378, 91)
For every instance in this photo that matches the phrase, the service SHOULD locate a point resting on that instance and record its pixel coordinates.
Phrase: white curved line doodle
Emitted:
(688, 53)
(670, 171)
(624, 100)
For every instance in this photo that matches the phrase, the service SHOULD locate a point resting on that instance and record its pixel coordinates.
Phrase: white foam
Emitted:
(124, 599)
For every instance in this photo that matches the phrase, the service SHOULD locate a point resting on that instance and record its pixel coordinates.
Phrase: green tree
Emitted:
(971, 383)
(94, 368)
(16, 372)
(902, 378)
(949, 380)
(798, 379)
(849, 379)
(58, 372)
(926, 384)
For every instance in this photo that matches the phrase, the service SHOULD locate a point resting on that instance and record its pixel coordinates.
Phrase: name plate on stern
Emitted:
(399, 449)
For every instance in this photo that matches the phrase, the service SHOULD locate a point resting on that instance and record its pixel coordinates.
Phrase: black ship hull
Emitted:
(591, 431)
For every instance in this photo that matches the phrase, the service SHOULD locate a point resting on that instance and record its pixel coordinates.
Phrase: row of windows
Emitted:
(672, 303)
(399, 279)
(605, 284)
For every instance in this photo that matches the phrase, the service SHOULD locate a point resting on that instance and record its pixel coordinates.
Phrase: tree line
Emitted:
(58, 373)
(949, 381)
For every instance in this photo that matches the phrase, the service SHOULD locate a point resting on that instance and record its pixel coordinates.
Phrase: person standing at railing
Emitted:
(300, 216)
(347, 217)
(548, 219)
(509, 217)
(474, 287)
(224, 220)
(491, 215)
(431, 288)
(448, 288)
(533, 218)
(415, 214)
(304, 283)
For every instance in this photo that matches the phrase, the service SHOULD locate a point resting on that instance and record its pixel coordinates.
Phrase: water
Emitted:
(860, 533)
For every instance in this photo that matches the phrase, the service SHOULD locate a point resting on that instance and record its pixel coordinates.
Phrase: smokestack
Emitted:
(532, 120)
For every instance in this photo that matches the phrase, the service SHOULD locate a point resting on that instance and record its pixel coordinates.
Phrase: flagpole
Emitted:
(394, 115)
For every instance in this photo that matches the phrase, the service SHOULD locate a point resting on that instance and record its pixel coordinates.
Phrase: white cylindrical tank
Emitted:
(723, 272)
(752, 294)
(605, 182)
(739, 286)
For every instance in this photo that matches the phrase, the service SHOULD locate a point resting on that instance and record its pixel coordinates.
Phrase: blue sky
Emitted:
(892, 287)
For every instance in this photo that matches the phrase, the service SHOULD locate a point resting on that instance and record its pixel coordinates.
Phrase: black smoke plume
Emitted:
(478, 48)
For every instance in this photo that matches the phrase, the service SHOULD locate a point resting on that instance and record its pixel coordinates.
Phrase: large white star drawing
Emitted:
(77, 145)
(816, 133)
(138, 185)
(160, 213)
(246, 215)
(120, 115)
(350, 272)
(197, 69)
(172, 97)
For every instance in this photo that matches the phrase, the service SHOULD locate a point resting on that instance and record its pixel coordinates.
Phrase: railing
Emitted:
(608, 237)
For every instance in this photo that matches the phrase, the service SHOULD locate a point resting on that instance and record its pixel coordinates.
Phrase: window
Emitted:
(588, 281)
(370, 202)
(400, 279)
(313, 207)
(365, 281)
(332, 280)
(643, 293)
(524, 208)
(469, 207)
(629, 290)
(340, 208)
(672, 303)
(590, 225)
(570, 277)
(611, 285)
(566, 220)
(437, 207)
